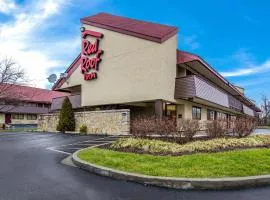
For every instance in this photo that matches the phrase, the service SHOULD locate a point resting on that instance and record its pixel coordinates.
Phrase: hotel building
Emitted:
(135, 65)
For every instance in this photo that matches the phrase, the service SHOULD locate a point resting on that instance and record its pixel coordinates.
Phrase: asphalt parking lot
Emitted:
(31, 169)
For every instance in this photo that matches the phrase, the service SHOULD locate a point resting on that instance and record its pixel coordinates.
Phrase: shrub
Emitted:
(244, 126)
(216, 128)
(145, 126)
(83, 129)
(66, 118)
(214, 145)
(188, 128)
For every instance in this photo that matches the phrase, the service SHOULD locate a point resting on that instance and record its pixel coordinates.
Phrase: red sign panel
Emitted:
(91, 54)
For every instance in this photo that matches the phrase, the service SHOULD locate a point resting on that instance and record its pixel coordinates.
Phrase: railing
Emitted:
(75, 100)
(194, 86)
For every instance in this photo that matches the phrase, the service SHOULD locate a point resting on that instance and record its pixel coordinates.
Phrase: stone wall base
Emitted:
(111, 122)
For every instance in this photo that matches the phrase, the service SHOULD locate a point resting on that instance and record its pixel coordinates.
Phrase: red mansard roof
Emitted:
(31, 94)
(141, 29)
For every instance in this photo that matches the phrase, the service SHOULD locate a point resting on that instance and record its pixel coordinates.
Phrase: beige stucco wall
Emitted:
(2, 118)
(132, 69)
(185, 109)
(112, 122)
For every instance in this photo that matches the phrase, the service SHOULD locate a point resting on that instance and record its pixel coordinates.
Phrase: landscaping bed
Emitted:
(202, 165)
(158, 147)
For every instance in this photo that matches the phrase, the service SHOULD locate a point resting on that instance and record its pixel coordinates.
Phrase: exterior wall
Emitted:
(2, 118)
(23, 121)
(185, 109)
(112, 122)
(131, 70)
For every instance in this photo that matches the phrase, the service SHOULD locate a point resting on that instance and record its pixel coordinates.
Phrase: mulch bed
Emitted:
(140, 151)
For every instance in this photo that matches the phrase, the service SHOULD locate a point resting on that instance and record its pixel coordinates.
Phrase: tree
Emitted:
(265, 110)
(10, 75)
(66, 118)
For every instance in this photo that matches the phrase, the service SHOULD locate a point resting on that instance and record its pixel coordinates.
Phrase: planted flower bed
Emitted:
(157, 147)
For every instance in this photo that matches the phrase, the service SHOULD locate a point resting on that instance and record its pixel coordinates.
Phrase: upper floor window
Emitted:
(196, 113)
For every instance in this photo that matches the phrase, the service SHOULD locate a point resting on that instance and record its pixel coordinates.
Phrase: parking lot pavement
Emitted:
(29, 171)
(71, 148)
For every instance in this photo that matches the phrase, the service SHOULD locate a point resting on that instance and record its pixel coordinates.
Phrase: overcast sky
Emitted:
(44, 36)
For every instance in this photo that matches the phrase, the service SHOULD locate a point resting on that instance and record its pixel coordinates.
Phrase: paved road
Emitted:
(29, 170)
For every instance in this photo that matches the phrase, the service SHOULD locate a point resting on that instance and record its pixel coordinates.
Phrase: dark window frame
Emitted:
(196, 113)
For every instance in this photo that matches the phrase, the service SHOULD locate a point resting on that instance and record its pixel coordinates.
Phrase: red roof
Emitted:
(29, 94)
(141, 29)
(74, 65)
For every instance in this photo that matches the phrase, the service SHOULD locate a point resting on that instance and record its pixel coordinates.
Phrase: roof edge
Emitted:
(132, 33)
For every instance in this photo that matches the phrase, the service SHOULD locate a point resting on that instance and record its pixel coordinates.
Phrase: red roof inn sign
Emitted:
(90, 57)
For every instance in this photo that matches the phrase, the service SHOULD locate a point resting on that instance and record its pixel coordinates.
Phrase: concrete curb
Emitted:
(176, 183)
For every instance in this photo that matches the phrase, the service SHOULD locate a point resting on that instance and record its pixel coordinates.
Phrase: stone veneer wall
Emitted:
(112, 122)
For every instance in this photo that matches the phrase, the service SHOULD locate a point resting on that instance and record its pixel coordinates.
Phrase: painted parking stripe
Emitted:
(72, 147)
(58, 151)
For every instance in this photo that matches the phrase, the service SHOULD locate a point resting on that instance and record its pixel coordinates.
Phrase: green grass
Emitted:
(225, 164)
(213, 145)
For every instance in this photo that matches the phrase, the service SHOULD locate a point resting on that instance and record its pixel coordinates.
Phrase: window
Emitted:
(18, 116)
(210, 114)
(196, 113)
(221, 115)
(31, 117)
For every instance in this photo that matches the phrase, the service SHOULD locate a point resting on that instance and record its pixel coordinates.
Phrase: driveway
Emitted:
(31, 168)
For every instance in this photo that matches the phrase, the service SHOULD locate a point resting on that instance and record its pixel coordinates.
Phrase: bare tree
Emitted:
(265, 110)
(10, 75)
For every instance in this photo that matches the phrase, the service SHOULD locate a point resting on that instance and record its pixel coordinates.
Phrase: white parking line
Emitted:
(95, 143)
(58, 151)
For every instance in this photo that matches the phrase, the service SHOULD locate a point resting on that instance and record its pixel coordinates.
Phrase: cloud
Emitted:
(191, 42)
(247, 64)
(6, 6)
(249, 70)
(35, 52)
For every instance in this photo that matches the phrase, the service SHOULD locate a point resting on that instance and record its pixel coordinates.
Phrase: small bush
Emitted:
(66, 118)
(216, 128)
(83, 129)
(244, 126)
(188, 128)
(145, 126)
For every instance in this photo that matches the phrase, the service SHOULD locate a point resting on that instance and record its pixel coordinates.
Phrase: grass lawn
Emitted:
(224, 164)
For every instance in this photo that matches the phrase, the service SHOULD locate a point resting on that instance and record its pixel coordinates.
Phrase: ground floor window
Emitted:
(31, 117)
(196, 113)
(18, 116)
(210, 114)
(221, 115)
(169, 110)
